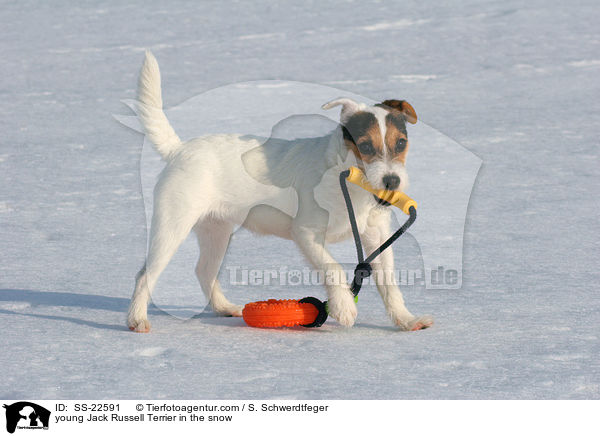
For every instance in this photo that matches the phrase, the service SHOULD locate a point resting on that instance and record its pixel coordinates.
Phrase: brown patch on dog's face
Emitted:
(396, 139)
(400, 111)
(363, 136)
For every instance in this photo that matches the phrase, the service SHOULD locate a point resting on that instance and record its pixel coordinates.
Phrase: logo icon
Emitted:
(26, 415)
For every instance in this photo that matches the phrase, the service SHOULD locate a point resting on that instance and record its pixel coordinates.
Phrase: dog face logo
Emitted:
(378, 138)
(25, 415)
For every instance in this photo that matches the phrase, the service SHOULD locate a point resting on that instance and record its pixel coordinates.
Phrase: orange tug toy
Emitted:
(310, 311)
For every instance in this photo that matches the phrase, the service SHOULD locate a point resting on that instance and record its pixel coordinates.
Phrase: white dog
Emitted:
(284, 188)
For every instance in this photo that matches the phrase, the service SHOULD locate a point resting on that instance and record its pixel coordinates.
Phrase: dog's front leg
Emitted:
(340, 302)
(376, 232)
(308, 231)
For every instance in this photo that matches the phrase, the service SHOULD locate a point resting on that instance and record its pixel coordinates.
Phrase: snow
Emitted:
(515, 83)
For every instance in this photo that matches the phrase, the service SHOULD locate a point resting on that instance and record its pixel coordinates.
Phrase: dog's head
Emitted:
(377, 136)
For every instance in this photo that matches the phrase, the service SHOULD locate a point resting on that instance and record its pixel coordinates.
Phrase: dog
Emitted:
(289, 189)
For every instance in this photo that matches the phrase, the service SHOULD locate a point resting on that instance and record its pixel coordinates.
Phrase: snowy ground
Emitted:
(516, 83)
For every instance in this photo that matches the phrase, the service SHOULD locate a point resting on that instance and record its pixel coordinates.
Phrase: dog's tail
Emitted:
(150, 111)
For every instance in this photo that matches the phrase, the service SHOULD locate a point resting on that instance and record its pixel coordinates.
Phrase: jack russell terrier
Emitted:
(214, 183)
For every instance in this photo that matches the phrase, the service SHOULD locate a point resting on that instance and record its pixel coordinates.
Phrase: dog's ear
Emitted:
(404, 107)
(349, 107)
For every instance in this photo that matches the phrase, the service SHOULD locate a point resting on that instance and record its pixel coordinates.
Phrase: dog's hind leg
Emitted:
(170, 226)
(213, 240)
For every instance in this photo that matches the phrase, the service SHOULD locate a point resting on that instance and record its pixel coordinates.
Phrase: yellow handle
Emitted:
(395, 198)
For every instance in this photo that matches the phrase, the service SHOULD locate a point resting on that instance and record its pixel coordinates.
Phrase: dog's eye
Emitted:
(366, 148)
(400, 145)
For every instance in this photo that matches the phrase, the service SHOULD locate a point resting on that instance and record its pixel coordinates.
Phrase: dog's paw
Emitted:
(228, 310)
(139, 326)
(343, 309)
(416, 323)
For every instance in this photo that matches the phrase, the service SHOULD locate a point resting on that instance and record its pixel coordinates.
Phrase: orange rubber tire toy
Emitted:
(279, 313)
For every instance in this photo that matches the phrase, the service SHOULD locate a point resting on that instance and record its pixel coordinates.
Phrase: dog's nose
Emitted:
(391, 181)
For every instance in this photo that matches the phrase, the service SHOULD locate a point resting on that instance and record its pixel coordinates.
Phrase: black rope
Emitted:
(321, 307)
(364, 269)
(411, 219)
(359, 250)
